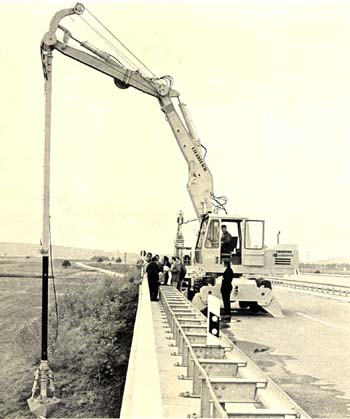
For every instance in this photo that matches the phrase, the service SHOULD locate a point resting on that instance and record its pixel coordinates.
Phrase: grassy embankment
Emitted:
(89, 359)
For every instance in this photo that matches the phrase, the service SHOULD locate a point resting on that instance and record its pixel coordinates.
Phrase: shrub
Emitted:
(66, 263)
(91, 356)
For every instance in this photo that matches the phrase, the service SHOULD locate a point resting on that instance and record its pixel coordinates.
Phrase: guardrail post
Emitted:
(205, 400)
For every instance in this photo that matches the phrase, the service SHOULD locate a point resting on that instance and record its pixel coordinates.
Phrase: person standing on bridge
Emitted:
(175, 271)
(182, 275)
(153, 279)
(226, 288)
(147, 261)
(166, 269)
(160, 266)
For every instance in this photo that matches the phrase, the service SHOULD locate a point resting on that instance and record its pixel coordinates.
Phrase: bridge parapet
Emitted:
(142, 394)
(205, 380)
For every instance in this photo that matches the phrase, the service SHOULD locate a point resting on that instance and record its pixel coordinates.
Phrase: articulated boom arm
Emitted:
(200, 183)
(200, 180)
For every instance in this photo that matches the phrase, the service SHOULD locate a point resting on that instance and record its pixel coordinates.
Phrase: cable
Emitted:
(191, 221)
(54, 287)
(205, 149)
(166, 79)
(147, 82)
(121, 43)
(220, 202)
(129, 62)
(67, 32)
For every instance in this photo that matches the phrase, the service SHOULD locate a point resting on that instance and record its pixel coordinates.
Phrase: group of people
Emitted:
(173, 272)
(164, 272)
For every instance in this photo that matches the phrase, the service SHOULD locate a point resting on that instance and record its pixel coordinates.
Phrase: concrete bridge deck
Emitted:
(154, 387)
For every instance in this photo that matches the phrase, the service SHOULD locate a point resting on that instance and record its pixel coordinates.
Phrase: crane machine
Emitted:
(245, 248)
(249, 256)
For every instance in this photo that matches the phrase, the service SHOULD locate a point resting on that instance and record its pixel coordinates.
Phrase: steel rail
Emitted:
(219, 409)
(285, 407)
(322, 288)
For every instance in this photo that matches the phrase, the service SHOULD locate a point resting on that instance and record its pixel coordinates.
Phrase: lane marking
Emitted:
(318, 320)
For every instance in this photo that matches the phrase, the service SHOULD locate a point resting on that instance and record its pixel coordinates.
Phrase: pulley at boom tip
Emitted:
(79, 8)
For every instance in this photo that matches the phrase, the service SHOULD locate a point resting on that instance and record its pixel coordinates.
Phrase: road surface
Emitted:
(307, 352)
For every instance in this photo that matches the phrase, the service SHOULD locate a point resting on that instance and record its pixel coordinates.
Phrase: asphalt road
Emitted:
(307, 352)
(322, 279)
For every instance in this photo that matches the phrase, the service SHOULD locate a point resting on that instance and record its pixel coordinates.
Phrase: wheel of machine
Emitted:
(243, 304)
(261, 282)
(254, 307)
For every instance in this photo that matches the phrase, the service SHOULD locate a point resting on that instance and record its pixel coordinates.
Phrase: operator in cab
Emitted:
(226, 239)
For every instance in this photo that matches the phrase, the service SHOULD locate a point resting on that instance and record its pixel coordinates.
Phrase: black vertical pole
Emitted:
(44, 315)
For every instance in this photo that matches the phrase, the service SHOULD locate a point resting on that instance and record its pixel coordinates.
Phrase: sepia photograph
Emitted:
(174, 232)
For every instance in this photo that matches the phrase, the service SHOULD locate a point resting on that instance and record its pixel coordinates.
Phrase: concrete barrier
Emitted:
(142, 394)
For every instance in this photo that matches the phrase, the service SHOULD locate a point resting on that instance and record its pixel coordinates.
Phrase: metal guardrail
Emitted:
(336, 290)
(225, 382)
(217, 375)
(220, 412)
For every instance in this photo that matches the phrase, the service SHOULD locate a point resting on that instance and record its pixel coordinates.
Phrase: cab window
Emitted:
(213, 236)
(254, 234)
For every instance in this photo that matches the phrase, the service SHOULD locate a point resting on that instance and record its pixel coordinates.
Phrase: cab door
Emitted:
(211, 250)
(198, 256)
(253, 243)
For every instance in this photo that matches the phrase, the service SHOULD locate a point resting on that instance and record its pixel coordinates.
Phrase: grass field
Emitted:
(20, 302)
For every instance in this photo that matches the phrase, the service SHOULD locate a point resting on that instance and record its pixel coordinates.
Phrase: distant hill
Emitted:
(59, 252)
(336, 260)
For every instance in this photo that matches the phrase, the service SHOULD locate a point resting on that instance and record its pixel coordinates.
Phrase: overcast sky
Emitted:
(268, 87)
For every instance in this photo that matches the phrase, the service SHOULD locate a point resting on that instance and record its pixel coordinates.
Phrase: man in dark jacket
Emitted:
(225, 240)
(153, 279)
(226, 288)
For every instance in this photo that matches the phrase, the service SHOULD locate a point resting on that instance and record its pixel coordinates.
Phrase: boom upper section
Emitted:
(200, 181)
